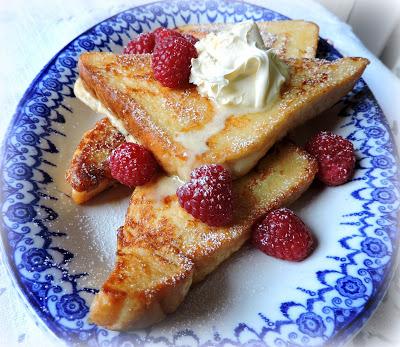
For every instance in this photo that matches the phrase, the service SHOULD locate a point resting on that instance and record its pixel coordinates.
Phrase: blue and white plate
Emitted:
(59, 253)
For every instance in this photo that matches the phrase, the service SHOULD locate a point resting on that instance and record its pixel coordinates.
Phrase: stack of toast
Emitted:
(163, 250)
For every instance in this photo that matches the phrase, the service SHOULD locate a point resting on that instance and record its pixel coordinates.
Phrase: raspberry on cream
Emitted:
(234, 68)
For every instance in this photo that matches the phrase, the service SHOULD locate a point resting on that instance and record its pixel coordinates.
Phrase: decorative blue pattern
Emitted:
(311, 324)
(345, 297)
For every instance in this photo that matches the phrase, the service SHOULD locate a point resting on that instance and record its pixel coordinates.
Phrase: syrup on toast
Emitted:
(288, 38)
(180, 127)
(163, 250)
(89, 173)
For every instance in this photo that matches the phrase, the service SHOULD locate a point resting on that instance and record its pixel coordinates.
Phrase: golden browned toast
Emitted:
(171, 122)
(89, 173)
(163, 250)
(288, 38)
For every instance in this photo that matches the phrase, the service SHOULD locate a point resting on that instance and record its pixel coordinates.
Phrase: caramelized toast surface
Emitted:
(170, 122)
(162, 249)
(288, 38)
(89, 173)
(295, 39)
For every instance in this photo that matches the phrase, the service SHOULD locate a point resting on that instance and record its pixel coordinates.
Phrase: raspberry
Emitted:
(282, 234)
(171, 61)
(161, 34)
(190, 38)
(208, 195)
(335, 156)
(132, 164)
(144, 43)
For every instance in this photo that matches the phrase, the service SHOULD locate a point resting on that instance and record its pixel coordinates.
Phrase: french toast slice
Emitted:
(162, 250)
(287, 38)
(177, 125)
(89, 173)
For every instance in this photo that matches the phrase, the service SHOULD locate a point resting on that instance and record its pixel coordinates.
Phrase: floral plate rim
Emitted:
(16, 276)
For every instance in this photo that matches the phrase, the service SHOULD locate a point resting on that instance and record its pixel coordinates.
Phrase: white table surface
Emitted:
(31, 33)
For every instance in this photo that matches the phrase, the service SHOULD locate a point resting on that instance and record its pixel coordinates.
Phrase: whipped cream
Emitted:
(235, 69)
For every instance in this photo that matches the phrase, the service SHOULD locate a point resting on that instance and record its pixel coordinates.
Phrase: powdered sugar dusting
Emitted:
(268, 38)
(190, 112)
(91, 232)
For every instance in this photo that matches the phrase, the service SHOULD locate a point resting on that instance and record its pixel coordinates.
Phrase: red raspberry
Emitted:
(161, 34)
(335, 156)
(144, 43)
(191, 38)
(132, 164)
(171, 61)
(282, 234)
(208, 195)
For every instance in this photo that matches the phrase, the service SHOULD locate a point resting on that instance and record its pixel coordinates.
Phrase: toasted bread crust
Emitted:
(162, 250)
(88, 172)
(140, 104)
(136, 120)
(288, 38)
(86, 195)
